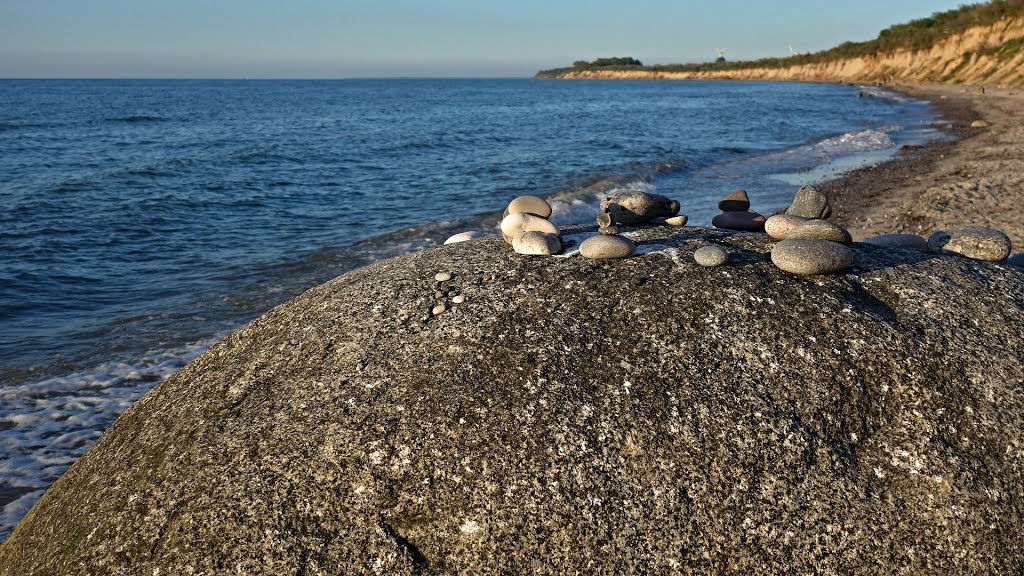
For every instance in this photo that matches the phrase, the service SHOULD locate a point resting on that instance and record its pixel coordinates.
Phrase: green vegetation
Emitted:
(916, 34)
(607, 62)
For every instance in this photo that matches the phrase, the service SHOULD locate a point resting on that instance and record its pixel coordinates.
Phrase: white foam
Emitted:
(56, 420)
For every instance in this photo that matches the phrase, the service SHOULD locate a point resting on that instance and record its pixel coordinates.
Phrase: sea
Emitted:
(142, 221)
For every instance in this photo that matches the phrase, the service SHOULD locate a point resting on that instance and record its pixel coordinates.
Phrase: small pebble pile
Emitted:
(808, 243)
(607, 245)
(527, 228)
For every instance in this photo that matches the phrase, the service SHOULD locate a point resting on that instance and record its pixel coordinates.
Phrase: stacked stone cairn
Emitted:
(809, 244)
(736, 214)
(629, 208)
(527, 228)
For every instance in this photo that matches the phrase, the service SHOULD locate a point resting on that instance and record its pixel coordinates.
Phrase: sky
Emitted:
(413, 38)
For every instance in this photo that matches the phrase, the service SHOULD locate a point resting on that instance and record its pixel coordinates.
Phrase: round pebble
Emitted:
(743, 221)
(606, 247)
(711, 256)
(459, 299)
(677, 220)
(980, 124)
(820, 230)
(533, 243)
(530, 205)
(443, 276)
(737, 201)
(811, 256)
(899, 241)
(517, 222)
(780, 225)
(464, 236)
(976, 242)
(439, 309)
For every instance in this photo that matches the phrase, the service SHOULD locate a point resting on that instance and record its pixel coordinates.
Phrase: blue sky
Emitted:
(363, 38)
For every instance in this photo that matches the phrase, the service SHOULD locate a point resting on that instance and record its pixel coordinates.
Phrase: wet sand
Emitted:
(978, 179)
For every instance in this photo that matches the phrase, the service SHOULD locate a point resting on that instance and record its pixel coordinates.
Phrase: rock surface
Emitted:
(634, 207)
(810, 202)
(576, 417)
(975, 242)
(811, 257)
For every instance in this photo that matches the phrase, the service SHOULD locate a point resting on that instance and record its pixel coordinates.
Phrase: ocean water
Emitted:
(141, 221)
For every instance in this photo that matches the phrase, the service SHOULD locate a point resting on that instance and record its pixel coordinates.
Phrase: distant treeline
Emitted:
(914, 35)
(606, 62)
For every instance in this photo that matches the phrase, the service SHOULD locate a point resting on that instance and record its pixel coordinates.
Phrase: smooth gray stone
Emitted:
(743, 221)
(606, 247)
(443, 276)
(779, 226)
(899, 241)
(820, 230)
(533, 243)
(517, 222)
(634, 207)
(811, 257)
(711, 256)
(680, 220)
(737, 201)
(809, 202)
(530, 205)
(977, 242)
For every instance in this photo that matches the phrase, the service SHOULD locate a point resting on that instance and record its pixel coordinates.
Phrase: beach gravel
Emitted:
(580, 417)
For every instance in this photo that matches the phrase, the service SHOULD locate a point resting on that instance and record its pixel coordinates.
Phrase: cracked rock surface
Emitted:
(644, 415)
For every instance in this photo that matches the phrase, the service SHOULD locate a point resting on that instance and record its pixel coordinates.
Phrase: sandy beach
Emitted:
(976, 179)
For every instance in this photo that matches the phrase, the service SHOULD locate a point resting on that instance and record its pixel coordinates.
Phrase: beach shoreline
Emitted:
(974, 178)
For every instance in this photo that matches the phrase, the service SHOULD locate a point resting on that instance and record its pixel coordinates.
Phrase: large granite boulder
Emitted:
(571, 416)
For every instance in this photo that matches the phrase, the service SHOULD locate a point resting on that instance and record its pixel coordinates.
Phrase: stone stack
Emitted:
(809, 245)
(527, 228)
(736, 214)
(609, 244)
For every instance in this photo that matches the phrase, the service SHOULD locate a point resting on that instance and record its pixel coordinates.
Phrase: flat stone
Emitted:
(809, 202)
(443, 276)
(464, 236)
(977, 242)
(680, 220)
(517, 222)
(532, 243)
(711, 256)
(744, 221)
(530, 205)
(821, 230)
(779, 226)
(609, 230)
(635, 207)
(737, 201)
(811, 257)
(606, 247)
(899, 241)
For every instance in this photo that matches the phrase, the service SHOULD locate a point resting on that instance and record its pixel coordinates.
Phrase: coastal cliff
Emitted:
(989, 54)
(645, 415)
